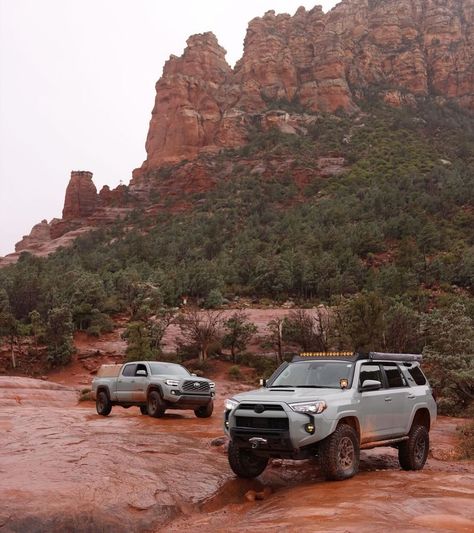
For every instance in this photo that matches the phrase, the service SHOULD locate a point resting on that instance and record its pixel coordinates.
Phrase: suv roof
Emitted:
(357, 356)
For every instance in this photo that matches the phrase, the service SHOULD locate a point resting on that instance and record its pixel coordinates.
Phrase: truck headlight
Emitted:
(230, 404)
(311, 408)
(172, 382)
(212, 385)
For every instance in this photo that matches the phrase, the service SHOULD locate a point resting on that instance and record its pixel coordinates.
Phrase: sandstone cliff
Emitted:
(398, 49)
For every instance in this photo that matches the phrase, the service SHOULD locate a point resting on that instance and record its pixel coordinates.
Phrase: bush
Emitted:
(466, 440)
(235, 373)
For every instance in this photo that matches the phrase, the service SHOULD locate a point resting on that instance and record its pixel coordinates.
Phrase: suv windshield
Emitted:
(168, 369)
(316, 374)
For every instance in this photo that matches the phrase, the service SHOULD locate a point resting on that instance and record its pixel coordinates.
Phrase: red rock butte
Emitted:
(395, 50)
(398, 49)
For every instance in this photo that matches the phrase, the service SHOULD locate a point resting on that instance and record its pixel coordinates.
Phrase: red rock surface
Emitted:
(400, 49)
(81, 196)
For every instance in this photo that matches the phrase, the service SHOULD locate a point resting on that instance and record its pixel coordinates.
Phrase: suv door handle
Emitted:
(388, 399)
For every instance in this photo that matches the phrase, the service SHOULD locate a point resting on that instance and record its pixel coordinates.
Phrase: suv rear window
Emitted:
(417, 375)
(394, 375)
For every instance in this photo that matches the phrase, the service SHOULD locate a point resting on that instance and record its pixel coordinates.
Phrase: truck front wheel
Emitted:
(103, 404)
(245, 463)
(155, 404)
(413, 453)
(339, 454)
(205, 411)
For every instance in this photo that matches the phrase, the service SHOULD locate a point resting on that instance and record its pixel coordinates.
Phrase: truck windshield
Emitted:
(317, 374)
(168, 369)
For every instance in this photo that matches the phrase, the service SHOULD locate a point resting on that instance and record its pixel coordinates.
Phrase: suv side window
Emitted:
(394, 375)
(129, 370)
(370, 371)
(417, 375)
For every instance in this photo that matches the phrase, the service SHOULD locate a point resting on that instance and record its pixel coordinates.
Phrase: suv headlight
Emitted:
(230, 404)
(172, 382)
(311, 408)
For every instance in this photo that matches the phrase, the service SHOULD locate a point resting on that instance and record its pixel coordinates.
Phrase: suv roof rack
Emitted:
(356, 356)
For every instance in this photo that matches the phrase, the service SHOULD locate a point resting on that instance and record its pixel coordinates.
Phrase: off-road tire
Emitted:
(155, 405)
(413, 452)
(143, 409)
(103, 404)
(205, 411)
(339, 454)
(245, 463)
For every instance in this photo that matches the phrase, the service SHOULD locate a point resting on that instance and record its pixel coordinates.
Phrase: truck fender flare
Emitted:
(154, 386)
(103, 388)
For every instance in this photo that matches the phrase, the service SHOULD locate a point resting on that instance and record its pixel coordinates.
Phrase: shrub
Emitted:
(466, 440)
(235, 373)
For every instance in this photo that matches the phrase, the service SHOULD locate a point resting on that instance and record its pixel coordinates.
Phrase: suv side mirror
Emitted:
(140, 373)
(193, 374)
(263, 382)
(370, 384)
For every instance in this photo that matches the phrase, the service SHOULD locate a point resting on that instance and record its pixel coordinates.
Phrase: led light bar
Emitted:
(326, 354)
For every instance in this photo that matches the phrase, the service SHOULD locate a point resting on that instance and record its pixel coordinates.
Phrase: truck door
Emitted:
(126, 383)
(141, 383)
(374, 406)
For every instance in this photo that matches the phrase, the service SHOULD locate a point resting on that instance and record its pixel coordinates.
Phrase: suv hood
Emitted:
(288, 395)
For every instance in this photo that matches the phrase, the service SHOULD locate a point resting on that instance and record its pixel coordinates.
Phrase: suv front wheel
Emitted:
(340, 453)
(245, 463)
(413, 452)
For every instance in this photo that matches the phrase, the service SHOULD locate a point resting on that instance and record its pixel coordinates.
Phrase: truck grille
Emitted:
(190, 386)
(266, 406)
(262, 423)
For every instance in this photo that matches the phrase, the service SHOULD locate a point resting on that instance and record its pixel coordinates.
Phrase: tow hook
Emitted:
(257, 441)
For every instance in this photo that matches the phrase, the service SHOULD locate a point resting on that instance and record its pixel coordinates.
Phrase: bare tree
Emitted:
(274, 339)
(200, 328)
(310, 331)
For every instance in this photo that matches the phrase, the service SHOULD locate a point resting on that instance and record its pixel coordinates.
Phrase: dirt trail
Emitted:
(64, 468)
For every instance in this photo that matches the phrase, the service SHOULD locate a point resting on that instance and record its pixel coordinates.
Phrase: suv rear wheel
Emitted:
(413, 452)
(340, 453)
(245, 463)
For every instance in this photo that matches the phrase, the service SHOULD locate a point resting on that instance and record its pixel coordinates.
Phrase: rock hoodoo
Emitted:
(397, 49)
(81, 196)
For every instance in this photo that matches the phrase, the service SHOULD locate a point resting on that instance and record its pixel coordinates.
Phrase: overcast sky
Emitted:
(77, 82)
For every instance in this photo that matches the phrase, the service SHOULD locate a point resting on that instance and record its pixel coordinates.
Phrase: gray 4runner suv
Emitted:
(332, 405)
(154, 387)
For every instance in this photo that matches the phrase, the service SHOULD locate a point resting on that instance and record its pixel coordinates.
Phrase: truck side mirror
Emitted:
(263, 382)
(370, 384)
(140, 373)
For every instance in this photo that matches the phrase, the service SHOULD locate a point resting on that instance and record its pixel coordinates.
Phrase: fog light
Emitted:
(173, 392)
(309, 428)
(226, 424)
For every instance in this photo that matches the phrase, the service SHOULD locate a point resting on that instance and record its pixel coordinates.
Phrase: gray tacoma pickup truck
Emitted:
(154, 387)
(332, 405)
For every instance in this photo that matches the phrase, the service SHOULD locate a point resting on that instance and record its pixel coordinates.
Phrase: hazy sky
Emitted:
(77, 82)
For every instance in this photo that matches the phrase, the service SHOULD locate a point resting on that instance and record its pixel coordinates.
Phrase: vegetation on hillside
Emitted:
(386, 242)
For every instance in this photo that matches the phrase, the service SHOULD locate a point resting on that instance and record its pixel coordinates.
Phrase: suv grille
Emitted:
(266, 406)
(262, 422)
(190, 386)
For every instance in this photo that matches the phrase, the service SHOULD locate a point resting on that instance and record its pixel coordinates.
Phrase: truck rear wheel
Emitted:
(245, 463)
(102, 403)
(205, 411)
(340, 453)
(155, 405)
(413, 453)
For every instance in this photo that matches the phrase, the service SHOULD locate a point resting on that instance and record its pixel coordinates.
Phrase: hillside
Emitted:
(335, 159)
